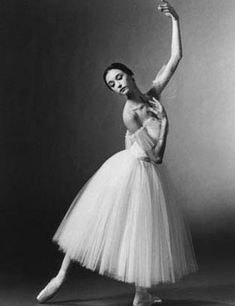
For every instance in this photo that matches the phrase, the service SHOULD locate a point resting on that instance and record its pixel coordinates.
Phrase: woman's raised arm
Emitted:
(168, 70)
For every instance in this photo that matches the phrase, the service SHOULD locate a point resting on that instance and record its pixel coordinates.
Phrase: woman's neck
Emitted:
(136, 97)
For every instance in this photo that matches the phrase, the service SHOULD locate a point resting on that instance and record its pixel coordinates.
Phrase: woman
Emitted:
(121, 223)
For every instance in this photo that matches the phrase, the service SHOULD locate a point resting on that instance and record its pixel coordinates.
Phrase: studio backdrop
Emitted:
(59, 122)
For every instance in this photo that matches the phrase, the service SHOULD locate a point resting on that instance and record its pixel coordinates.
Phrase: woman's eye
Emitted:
(119, 77)
(111, 84)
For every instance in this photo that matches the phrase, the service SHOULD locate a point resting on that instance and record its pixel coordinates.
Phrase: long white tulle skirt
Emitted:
(123, 225)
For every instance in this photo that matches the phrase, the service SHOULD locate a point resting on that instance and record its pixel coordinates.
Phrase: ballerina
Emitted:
(122, 223)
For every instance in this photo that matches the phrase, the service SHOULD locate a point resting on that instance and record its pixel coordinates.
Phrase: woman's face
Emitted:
(119, 81)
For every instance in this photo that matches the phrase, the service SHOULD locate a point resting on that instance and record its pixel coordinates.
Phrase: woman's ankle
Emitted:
(139, 289)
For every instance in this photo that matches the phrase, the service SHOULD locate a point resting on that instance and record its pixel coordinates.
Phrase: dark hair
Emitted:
(119, 66)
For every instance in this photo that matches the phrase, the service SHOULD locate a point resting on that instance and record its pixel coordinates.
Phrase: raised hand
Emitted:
(167, 9)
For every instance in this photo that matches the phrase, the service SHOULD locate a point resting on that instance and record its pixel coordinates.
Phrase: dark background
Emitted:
(59, 123)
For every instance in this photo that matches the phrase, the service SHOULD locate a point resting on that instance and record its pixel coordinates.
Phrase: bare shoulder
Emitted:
(130, 119)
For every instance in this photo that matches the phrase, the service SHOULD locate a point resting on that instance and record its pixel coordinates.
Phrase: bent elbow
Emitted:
(179, 56)
(175, 62)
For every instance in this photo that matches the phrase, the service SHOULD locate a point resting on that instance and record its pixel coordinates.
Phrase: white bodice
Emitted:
(144, 139)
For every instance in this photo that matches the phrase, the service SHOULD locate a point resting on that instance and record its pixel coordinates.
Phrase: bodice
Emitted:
(144, 139)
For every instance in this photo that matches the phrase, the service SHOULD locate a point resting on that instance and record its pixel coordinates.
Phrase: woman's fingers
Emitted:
(152, 109)
(167, 9)
(153, 102)
(164, 9)
(157, 113)
(156, 105)
(162, 6)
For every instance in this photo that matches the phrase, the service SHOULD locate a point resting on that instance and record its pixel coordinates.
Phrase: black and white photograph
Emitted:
(117, 133)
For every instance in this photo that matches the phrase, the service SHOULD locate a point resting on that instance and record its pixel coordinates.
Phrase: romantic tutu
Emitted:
(124, 224)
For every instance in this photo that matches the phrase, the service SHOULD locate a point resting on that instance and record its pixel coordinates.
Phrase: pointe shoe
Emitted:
(51, 288)
(156, 300)
(145, 299)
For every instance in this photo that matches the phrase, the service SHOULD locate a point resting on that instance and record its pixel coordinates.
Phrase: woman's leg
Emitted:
(144, 298)
(52, 287)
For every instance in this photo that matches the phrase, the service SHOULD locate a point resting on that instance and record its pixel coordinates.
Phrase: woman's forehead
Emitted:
(111, 74)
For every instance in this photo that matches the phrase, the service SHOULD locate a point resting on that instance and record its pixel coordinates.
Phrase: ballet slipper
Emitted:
(145, 299)
(51, 288)
(157, 300)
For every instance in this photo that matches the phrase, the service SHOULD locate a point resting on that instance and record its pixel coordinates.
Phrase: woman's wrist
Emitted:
(175, 18)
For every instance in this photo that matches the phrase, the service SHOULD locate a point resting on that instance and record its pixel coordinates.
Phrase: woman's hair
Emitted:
(119, 66)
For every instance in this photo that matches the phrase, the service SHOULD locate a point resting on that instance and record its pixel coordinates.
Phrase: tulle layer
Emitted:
(122, 225)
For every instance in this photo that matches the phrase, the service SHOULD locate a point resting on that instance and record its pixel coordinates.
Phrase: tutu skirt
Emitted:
(123, 224)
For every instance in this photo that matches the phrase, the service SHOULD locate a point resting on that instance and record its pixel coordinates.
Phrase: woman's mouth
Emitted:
(123, 89)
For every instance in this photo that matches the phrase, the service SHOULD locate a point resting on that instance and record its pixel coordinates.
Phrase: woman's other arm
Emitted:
(157, 151)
